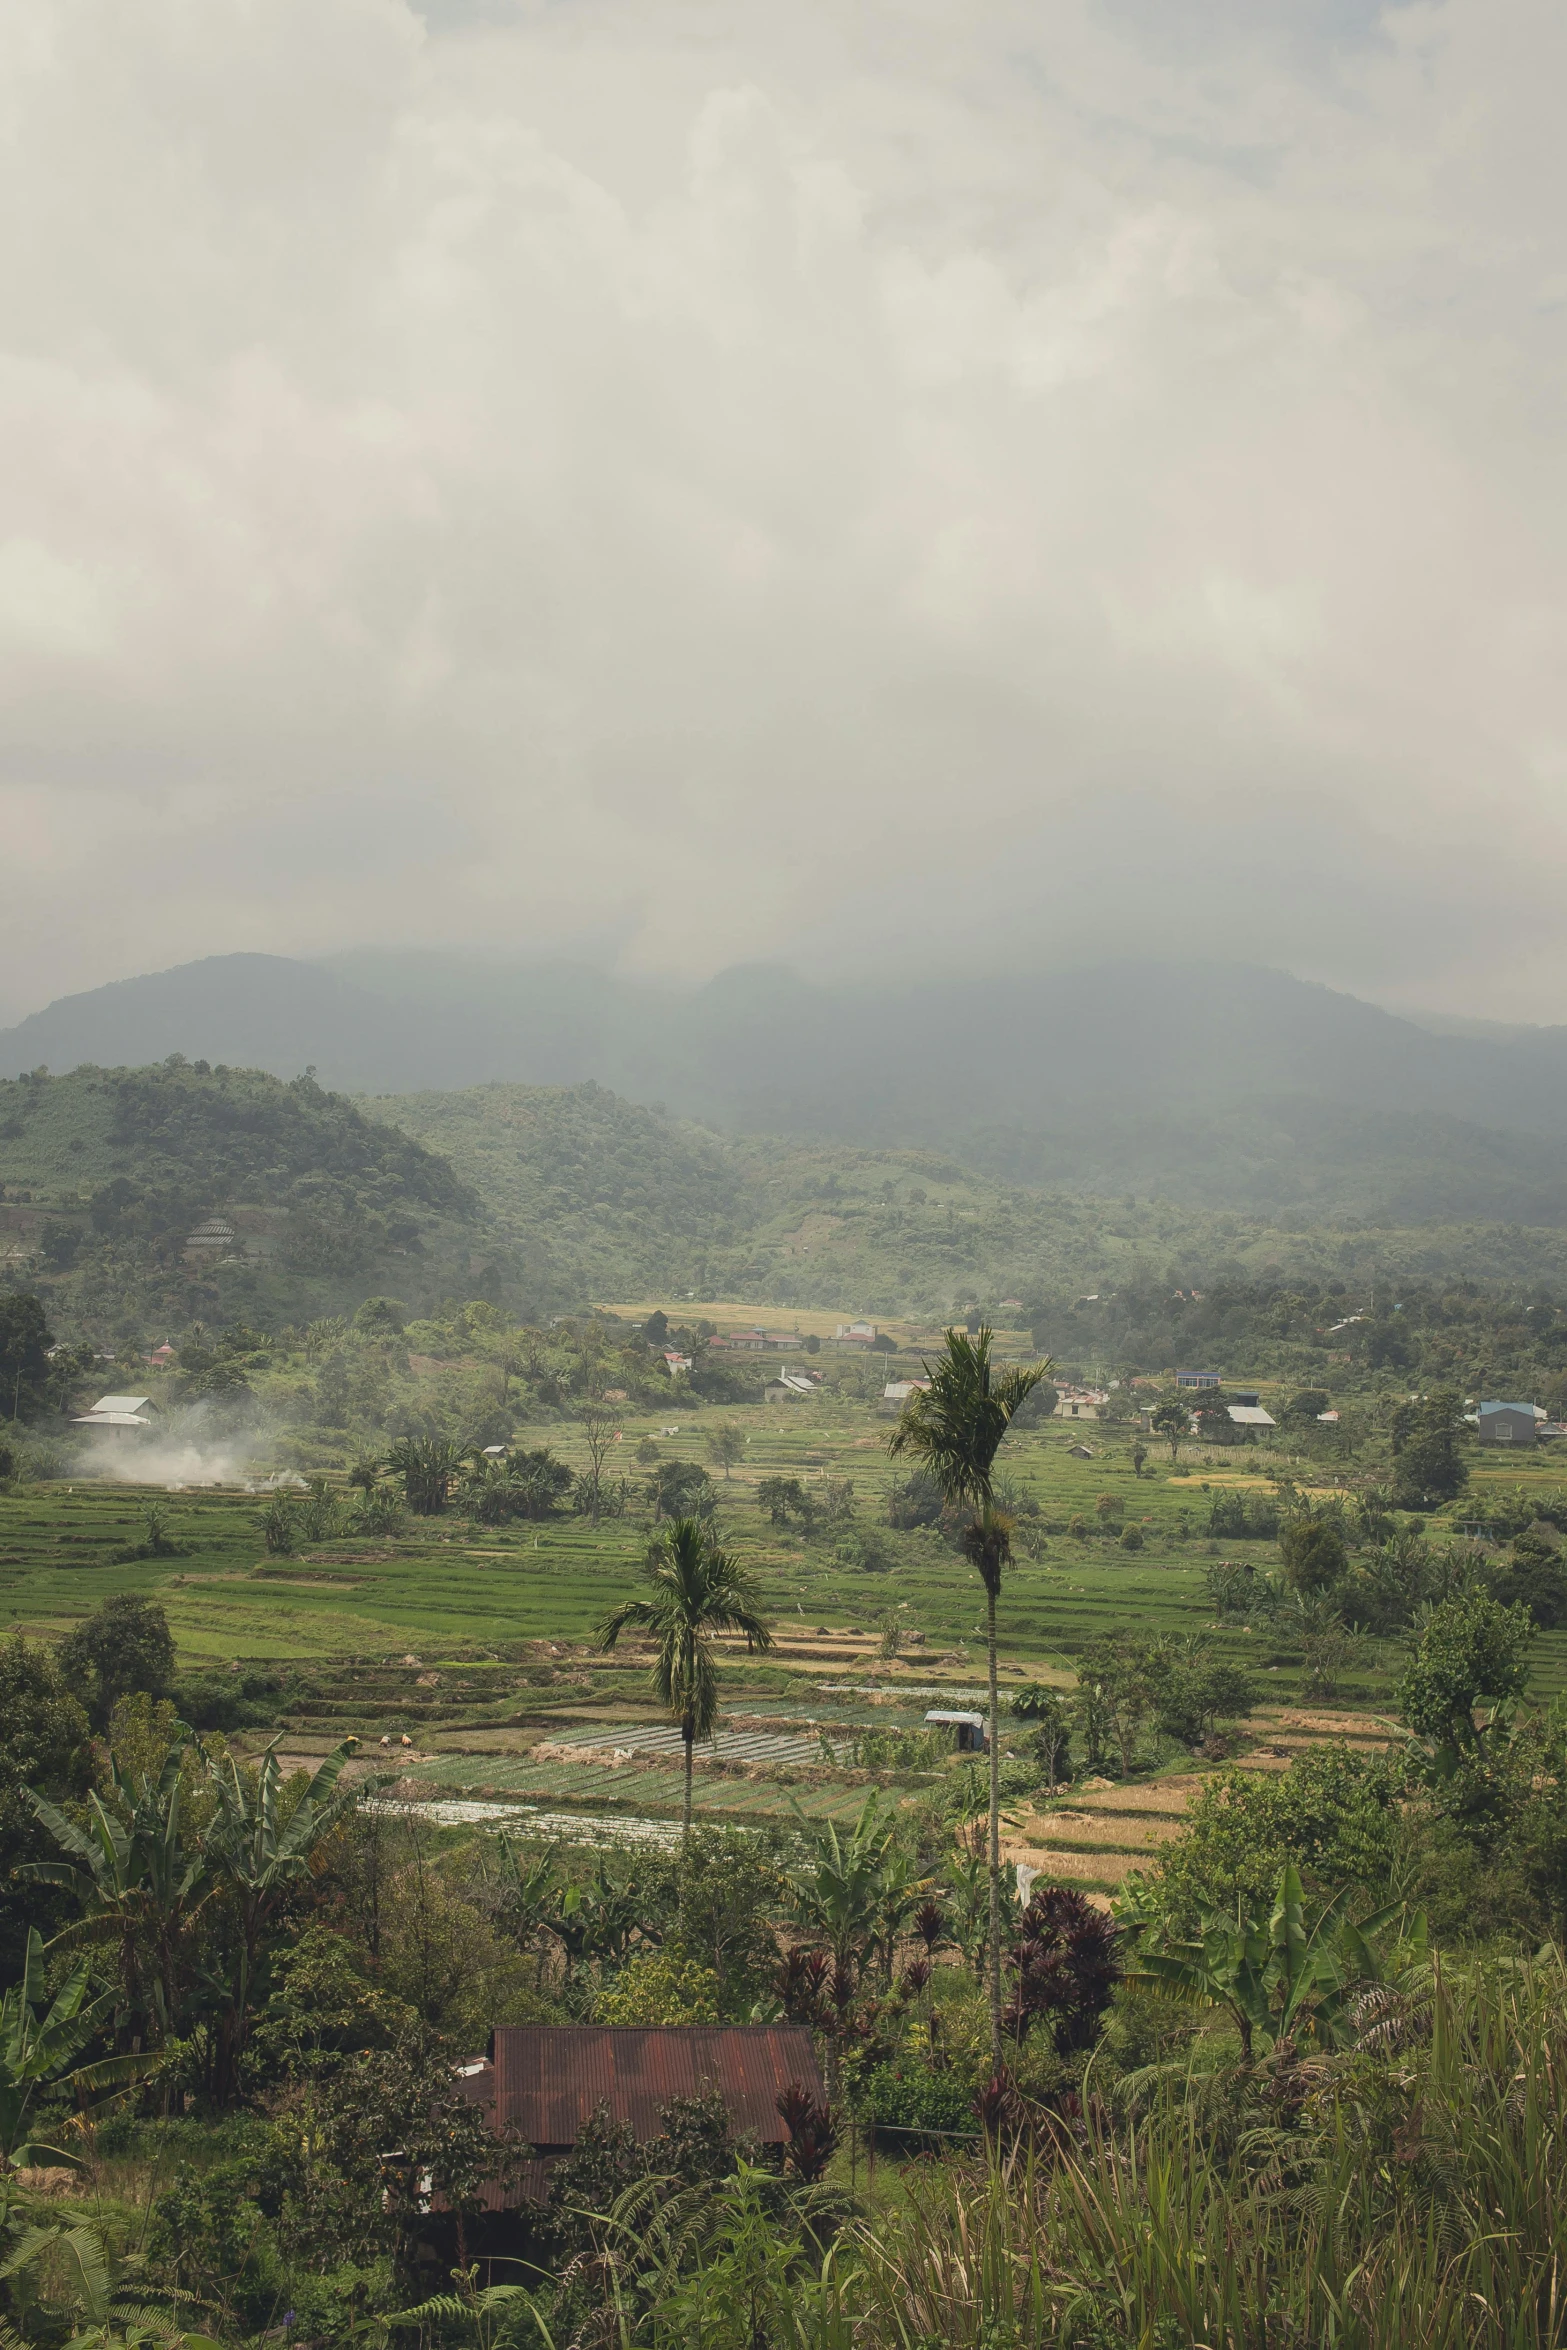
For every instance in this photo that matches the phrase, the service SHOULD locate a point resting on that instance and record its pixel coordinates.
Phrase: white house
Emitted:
(119, 1411)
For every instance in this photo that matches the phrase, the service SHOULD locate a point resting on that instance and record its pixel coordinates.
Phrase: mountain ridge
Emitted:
(1127, 1075)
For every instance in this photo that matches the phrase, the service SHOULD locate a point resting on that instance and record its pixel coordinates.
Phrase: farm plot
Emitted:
(725, 1746)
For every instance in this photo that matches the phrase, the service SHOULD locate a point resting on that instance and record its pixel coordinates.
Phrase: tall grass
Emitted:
(1413, 2192)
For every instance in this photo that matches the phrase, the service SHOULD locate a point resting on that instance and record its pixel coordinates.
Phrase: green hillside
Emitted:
(604, 1199)
(544, 1199)
(105, 1175)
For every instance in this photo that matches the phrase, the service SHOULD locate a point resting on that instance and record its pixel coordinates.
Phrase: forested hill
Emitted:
(548, 1199)
(106, 1174)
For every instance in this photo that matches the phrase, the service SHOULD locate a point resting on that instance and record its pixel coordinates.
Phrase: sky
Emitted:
(954, 484)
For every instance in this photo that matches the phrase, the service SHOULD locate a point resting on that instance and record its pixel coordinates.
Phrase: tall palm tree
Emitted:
(953, 1428)
(696, 1590)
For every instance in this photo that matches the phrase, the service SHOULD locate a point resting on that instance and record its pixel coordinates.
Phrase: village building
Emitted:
(756, 1341)
(1080, 1403)
(547, 2081)
(118, 1412)
(1508, 1423)
(969, 1732)
(1197, 1379)
(855, 1334)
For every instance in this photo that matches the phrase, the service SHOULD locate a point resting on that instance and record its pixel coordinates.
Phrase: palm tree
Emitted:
(953, 1428)
(697, 1590)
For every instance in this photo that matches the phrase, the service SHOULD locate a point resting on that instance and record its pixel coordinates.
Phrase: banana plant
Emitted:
(38, 2050)
(256, 1856)
(135, 1878)
(1279, 1975)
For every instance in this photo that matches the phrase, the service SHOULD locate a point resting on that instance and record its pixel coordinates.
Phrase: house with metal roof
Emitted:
(969, 1731)
(118, 1411)
(547, 2080)
(1508, 1423)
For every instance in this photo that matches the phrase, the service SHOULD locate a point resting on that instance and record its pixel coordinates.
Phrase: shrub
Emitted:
(653, 1988)
(1131, 1538)
(379, 1512)
(906, 2098)
(277, 1527)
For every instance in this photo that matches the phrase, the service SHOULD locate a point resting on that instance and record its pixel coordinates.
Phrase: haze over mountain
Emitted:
(847, 485)
(1216, 1081)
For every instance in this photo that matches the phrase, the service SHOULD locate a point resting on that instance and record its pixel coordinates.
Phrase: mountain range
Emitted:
(1220, 1082)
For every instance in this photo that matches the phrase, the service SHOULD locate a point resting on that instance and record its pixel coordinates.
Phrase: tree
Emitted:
(1051, 1736)
(697, 1590)
(598, 1437)
(681, 1489)
(1314, 1555)
(426, 1465)
(44, 1748)
(124, 1649)
(1139, 1459)
(1118, 1678)
(258, 1849)
(782, 1498)
(953, 1428)
(1172, 1419)
(1470, 1651)
(726, 1445)
(38, 2053)
(135, 1877)
(25, 1340)
(1428, 1464)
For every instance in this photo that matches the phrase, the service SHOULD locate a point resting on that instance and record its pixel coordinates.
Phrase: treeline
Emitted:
(1349, 1338)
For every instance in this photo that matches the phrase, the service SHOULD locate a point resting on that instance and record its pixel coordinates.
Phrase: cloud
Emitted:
(867, 483)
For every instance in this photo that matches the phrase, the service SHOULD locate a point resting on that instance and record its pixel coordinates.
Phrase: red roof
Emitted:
(548, 2079)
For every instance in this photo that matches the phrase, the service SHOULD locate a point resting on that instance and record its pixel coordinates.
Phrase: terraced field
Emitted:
(1101, 1833)
(460, 1656)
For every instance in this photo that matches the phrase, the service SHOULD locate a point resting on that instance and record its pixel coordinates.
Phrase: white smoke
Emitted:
(191, 1447)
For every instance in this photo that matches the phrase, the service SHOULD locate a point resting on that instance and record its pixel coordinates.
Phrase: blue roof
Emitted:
(1526, 1408)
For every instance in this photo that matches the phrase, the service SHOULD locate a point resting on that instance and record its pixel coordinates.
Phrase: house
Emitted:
(1079, 1403)
(675, 1363)
(547, 2080)
(787, 1384)
(855, 1333)
(898, 1391)
(118, 1411)
(1508, 1423)
(1197, 1379)
(1250, 1415)
(757, 1341)
(162, 1356)
(968, 1730)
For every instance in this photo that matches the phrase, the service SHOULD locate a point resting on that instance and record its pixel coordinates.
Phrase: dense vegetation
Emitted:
(1267, 2053)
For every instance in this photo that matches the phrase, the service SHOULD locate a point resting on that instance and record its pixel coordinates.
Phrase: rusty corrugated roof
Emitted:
(548, 2079)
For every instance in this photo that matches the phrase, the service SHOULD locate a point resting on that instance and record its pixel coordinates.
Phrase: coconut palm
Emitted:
(953, 1428)
(696, 1591)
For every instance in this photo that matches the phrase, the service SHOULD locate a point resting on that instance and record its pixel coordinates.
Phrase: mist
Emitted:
(951, 488)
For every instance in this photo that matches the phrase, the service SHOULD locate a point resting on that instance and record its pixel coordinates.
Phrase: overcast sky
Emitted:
(866, 484)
